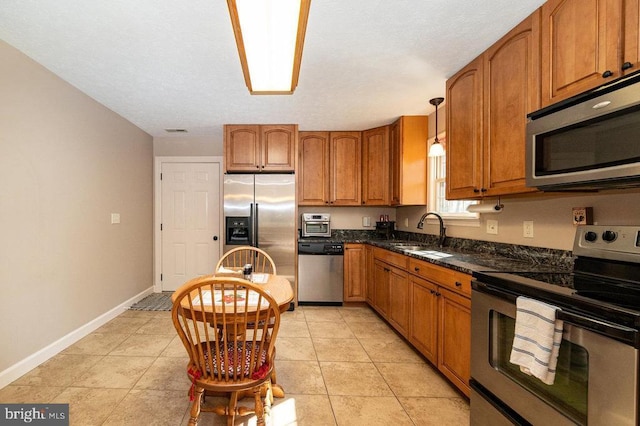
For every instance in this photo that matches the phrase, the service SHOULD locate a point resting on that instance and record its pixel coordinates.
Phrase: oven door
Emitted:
(596, 378)
(316, 229)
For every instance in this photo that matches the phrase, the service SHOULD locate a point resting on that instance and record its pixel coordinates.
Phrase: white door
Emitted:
(190, 221)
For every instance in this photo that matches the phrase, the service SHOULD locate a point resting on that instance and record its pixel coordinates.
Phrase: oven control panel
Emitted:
(608, 242)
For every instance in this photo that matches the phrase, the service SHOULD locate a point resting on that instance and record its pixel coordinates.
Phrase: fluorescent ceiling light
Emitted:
(270, 36)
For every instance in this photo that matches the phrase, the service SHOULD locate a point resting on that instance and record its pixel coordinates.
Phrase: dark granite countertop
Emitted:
(467, 256)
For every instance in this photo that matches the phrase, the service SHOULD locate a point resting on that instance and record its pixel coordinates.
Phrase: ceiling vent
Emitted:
(175, 130)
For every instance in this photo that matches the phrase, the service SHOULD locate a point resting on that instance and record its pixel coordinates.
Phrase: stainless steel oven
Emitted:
(597, 374)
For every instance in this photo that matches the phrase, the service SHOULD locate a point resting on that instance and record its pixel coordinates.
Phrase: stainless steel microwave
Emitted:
(590, 142)
(316, 225)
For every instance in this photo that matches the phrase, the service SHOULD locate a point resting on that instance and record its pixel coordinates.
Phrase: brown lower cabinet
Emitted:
(355, 269)
(428, 304)
(454, 339)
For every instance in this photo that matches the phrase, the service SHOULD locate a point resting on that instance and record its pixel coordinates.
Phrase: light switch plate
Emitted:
(115, 218)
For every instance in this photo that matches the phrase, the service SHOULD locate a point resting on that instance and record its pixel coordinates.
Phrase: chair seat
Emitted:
(241, 366)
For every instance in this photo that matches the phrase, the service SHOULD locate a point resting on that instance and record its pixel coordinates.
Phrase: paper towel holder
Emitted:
(486, 208)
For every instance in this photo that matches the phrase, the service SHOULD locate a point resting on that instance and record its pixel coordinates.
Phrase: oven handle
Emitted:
(621, 333)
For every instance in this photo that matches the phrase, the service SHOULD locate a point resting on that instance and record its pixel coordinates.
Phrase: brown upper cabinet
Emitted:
(375, 166)
(260, 148)
(313, 173)
(329, 172)
(586, 43)
(408, 159)
(487, 103)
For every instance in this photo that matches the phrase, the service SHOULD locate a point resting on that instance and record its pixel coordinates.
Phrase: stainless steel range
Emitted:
(596, 378)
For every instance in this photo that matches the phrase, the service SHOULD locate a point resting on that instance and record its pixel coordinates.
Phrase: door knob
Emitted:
(215, 238)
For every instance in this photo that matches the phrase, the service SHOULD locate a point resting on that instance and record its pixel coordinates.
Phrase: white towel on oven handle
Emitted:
(537, 339)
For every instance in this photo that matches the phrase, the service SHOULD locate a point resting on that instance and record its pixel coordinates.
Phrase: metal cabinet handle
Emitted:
(607, 74)
(483, 189)
(476, 190)
(626, 66)
(416, 269)
(458, 284)
(438, 293)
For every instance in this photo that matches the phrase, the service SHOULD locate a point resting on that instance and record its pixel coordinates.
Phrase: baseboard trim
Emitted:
(32, 361)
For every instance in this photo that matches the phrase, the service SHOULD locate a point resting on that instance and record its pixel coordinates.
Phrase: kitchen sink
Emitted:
(431, 254)
(412, 248)
(421, 250)
(411, 245)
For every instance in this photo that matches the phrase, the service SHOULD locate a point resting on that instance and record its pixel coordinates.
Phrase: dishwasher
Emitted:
(320, 273)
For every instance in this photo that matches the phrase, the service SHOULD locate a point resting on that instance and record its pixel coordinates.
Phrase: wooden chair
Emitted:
(240, 256)
(231, 351)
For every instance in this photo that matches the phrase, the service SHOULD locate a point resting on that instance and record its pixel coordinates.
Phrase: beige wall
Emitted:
(66, 164)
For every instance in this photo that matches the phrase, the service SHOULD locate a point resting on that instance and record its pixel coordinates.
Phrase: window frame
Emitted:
(436, 189)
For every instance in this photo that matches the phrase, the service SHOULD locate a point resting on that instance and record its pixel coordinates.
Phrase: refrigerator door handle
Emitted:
(256, 240)
(252, 228)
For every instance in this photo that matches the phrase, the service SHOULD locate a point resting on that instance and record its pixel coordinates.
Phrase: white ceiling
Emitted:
(174, 64)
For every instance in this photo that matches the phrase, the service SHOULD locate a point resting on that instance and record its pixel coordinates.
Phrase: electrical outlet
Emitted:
(582, 215)
(527, 229)
(115, 218)
(492, 227)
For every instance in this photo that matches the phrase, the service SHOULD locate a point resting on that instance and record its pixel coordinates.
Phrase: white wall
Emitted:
(182, 145)
(66, 164)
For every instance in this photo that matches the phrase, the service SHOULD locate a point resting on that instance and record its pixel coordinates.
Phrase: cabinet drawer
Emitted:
(454, 280)
(395, 259)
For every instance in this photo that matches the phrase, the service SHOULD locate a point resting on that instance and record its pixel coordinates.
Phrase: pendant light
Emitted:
(436, 149)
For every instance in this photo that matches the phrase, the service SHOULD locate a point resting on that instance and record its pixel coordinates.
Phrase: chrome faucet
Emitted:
(442, 236)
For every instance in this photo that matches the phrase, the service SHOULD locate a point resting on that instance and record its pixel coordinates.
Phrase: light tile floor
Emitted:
(338, 366)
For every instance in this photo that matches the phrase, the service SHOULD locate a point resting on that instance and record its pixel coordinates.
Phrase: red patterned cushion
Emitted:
(241, 366)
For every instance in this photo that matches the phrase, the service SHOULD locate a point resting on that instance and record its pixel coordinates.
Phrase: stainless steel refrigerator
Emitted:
(260, 210)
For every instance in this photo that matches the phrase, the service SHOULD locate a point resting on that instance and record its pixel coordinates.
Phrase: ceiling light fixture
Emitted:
(270, 36)
(436, 149)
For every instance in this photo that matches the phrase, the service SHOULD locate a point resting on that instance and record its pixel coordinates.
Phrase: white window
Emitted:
(437, 191)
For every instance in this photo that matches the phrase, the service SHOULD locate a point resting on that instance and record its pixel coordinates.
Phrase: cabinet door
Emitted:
(313, 169)
(242, 148)
(464, 132)
(581, 46)
(395, 162)
(409, 160)
(346, 153)
(278, 148)
(423, 322)
(369, 275)
(398, 314)
(375, 166)
(381, 287)
(354, 273)
(454, 355)
(631, 58)
(511, 90)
